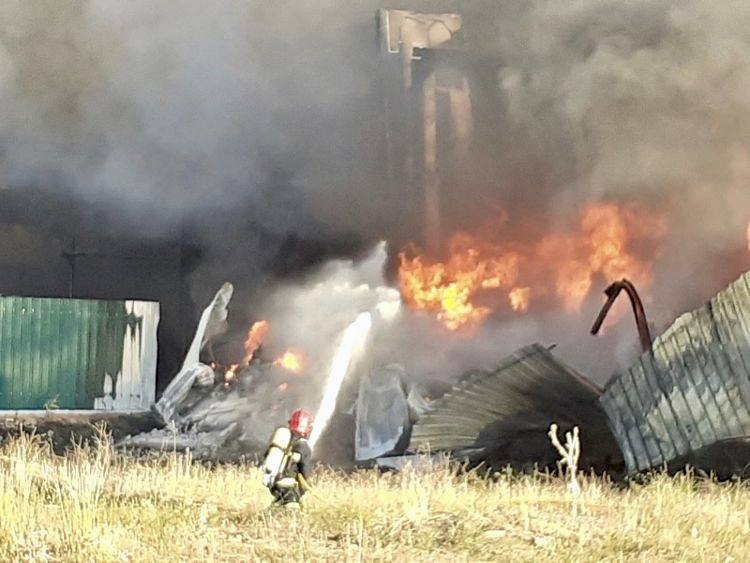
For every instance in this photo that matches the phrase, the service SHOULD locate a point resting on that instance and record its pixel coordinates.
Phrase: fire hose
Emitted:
(307, 487)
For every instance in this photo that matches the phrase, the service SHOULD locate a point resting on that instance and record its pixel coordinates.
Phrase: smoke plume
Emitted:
(243, 125)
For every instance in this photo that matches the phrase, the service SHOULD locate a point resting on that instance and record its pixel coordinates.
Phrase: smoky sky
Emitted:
(247, 116)
(187, 106)
(183, 106)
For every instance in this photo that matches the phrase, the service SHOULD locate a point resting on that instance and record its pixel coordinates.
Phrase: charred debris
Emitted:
(685, 401)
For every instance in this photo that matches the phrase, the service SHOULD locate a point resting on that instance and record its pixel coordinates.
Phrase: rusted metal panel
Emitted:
(77, 354)
(693, 386)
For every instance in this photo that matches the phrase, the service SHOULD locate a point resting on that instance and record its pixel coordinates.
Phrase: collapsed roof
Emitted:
(687, 400)
(501, 417)
(684, 401)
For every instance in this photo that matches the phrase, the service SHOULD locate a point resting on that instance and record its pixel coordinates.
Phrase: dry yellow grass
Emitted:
(96, 505)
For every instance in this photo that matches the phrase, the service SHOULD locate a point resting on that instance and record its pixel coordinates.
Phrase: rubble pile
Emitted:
(685, 401)
(388, 404)
(213, 416)
(221, 421)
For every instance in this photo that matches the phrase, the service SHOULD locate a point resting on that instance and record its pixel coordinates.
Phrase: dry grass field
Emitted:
(94, 504)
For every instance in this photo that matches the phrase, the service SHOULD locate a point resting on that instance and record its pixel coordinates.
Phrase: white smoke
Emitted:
(309, 315)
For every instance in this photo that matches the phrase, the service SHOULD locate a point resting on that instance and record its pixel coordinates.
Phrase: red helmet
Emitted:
(301, 423)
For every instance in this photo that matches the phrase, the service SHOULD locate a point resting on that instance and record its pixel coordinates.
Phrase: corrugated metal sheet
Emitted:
(382, 412)
(504, 415)
(63, 353)
(692, 390)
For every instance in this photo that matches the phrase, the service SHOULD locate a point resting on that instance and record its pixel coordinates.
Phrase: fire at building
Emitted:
(684, 401)
(416, 219)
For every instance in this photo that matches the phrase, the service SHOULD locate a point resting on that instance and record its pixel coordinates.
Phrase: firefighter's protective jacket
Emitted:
(299, 461)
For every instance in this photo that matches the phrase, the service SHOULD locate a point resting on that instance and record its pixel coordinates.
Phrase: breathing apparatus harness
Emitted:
(280, 453)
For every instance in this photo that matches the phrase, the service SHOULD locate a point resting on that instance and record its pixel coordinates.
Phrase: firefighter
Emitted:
(287, 464)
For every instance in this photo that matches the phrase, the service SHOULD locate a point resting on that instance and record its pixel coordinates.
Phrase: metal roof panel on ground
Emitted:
(691, 391)
(502, 416)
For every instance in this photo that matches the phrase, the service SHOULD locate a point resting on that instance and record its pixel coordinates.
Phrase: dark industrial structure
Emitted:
(433, 83)
(56, 246)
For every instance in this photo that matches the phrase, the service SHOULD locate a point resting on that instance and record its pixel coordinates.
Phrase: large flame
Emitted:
(254, 339)
(447, 288)
(610, 240)
(604, 244)
(519, 298)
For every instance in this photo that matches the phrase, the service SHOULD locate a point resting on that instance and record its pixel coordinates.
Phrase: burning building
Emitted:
(488, 134)
(427, 98)
(515, 156)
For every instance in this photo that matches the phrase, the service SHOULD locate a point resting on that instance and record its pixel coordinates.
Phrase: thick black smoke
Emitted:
(254, 130)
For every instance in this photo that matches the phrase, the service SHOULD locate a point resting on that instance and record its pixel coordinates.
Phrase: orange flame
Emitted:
(560, 265)
(447, 288)
(255, 337)
(292, 361)
(603, 244)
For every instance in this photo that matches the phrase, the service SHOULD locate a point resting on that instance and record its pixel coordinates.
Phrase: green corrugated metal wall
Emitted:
(56, 352)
